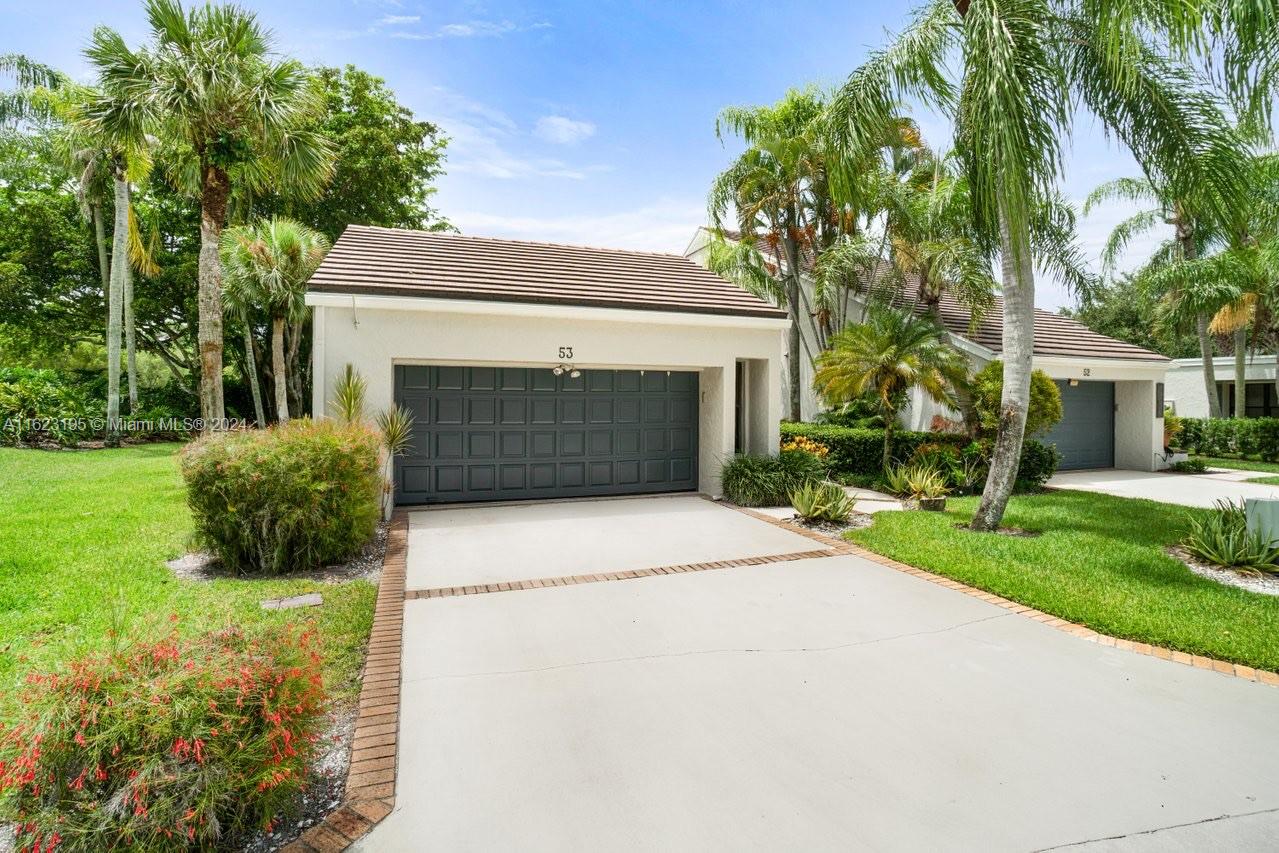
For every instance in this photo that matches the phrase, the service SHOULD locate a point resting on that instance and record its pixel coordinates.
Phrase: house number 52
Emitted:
(566, 353)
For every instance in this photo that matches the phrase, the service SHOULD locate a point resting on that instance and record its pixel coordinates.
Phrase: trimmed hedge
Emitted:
(855, 453)
(1236, 436)
(284, 499)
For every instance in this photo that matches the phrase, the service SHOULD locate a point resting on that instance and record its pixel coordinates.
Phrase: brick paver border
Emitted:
(370, 780)
(1083, 632)
(569, 580)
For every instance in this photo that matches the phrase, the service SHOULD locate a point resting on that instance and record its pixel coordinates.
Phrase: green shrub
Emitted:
(1039, 462)
(1191, 435)
(1189, 466)
(1222, 538)
(284, 499)
(822, 502)
(40, 405)
(163, 745)
(988, 388)
(1267, 437)
(748, 480)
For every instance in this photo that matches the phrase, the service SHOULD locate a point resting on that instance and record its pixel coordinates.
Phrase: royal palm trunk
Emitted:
(115, 294)
(1186, 239)
(1241, 369)
(1018, 274)
(251, 367)
(130, 332)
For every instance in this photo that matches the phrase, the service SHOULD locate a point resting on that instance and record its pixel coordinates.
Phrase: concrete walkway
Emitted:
(1201, 490)
(827, 704)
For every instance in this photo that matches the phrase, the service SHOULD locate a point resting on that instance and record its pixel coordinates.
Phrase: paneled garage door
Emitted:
(1085, 435)
(509, 433)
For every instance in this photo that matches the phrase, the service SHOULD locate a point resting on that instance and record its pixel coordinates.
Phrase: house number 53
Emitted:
(566, 352)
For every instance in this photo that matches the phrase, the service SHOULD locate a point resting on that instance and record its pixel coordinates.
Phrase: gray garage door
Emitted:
(1085, 436)
(509, 433)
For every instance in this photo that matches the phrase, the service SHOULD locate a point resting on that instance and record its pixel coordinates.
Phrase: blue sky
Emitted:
(579, 122)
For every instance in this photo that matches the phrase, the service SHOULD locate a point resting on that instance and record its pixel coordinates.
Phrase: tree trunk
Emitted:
(1017, 268)
(100, 238)
(1209, 370)
(889, 423)
(251, 367)
(1241, 375)
(213, 201)
(115, 293)
(1186, 239)
(130, 333)
(277, 367)
(792, 350)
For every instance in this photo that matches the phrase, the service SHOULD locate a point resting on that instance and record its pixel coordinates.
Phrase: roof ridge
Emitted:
(492, 239)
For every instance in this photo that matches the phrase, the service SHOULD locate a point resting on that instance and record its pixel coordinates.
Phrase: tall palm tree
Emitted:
(209, 82)
(886, 356)
(769, 188)
(267, 265)
(1160, 209)
(1021, 67)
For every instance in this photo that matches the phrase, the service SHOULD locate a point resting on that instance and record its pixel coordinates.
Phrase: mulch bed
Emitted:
(856, 521)
(1266, 584)
(367, 565)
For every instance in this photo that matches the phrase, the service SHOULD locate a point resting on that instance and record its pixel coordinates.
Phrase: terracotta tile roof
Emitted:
(1055, 335)
(389, 261)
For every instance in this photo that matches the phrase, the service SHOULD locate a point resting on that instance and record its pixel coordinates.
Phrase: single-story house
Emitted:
(535, 370)
(1189, 397)
(1112, 391)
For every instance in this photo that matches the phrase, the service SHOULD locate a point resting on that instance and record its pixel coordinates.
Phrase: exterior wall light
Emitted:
(561, 369)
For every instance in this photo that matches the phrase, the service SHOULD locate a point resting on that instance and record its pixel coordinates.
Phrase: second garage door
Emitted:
(1085, 436)
(510, 433)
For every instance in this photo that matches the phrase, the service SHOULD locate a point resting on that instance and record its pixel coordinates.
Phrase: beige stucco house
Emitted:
(1112, 391)
(536, 370)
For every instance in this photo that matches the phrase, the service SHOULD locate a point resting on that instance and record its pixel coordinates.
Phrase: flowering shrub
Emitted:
(284, 499)
(163, 743)
(807, 445)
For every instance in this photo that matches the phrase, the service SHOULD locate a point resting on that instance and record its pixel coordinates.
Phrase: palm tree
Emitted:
(769, 188)
(890, 353)
(1022, 66)
(267, 265)
(1161, 210)
(208, 83)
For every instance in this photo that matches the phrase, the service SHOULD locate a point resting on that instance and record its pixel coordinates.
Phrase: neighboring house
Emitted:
(1111, 391)
(1188, 397)
(546, 371)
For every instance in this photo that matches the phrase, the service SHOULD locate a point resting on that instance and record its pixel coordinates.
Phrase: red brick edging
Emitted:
(370, 780)
(569, 580)
(1236, 670)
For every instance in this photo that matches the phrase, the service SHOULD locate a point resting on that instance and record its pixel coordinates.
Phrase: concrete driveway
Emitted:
(820, 704)
(478, 544)
(1202, 490)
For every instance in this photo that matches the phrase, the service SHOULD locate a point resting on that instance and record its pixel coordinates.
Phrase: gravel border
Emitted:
(367, 565)
(1260, 583)
(856, 521)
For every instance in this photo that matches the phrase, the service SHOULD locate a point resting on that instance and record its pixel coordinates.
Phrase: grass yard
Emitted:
(1265, 481)
(1099, 562)
(1238, 464)
(83, 540)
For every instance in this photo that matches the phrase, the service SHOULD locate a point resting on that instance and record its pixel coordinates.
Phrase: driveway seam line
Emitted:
(617, 575)
(367, 802)
(1083, 632)
(1156, 830)
(699, 652)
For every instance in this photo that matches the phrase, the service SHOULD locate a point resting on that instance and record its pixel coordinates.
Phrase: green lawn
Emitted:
(1265, 481)
(83, 540)
(1238, 464)
(1099, 562)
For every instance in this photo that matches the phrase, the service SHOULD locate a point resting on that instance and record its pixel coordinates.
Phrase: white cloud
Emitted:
(563, 131)
(398, 20)
(469, 29)
(666, 225)
(485, 141)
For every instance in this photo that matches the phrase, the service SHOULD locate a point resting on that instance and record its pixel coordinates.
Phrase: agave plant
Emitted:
(348, 395)
(822, 502)
(1222, 538)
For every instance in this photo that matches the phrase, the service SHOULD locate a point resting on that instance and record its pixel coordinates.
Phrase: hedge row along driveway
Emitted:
(83, 540)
